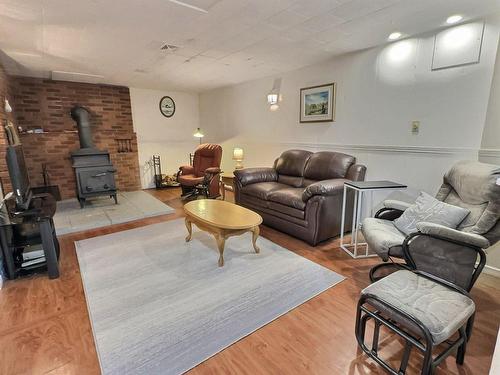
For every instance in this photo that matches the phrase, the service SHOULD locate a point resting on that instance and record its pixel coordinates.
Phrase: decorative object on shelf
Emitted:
(198, 134)
(238, 156)
(167, 106)
(124, 145)
(274, 96)
(317, 103)
(8, 108)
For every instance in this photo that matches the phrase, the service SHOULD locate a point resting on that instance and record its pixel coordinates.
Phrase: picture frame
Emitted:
(317, 103)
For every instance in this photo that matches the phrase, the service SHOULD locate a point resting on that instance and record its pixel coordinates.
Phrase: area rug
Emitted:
(102, 211)
(159, 305)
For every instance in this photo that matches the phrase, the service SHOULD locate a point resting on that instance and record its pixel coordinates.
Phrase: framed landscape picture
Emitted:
(317, 103)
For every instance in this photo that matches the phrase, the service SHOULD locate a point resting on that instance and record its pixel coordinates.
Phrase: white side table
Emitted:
(360, 188)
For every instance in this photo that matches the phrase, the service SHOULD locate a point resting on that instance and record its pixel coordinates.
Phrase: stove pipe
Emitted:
(81, 116)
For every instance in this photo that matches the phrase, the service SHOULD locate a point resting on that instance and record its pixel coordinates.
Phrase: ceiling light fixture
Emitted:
(183, 4)
(395, 35)
(454, 19)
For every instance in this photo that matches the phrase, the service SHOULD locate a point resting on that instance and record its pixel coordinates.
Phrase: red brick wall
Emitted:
(5, 92)
(46, 104)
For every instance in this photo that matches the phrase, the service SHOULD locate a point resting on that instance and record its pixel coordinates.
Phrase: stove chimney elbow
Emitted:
(81, 117)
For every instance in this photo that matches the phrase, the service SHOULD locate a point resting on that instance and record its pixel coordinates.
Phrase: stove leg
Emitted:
(115, 198)
(82, 202)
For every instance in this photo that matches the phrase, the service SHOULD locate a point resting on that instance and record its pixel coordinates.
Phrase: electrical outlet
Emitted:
(415, 127)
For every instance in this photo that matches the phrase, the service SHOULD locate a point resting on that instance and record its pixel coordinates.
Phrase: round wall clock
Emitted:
(167, 106)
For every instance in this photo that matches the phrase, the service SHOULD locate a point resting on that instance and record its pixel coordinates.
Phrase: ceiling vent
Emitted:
(169, 47)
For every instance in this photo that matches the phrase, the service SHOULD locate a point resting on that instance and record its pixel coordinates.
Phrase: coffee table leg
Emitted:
(255, 235)
(221, 241)
(189, 228)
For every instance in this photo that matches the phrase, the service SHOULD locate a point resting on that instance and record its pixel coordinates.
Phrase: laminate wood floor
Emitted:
(45, 328)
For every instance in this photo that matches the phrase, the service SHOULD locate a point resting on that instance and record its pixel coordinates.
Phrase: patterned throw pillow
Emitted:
(429, 209)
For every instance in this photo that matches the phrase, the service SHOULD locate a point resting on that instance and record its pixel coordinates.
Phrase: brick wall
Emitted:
(46, 104)
(5, 92)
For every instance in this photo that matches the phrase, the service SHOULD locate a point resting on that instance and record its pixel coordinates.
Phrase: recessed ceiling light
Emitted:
(395, 35)
(454, 19)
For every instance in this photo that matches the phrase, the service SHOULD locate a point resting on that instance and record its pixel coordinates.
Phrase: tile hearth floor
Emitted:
(102, 211)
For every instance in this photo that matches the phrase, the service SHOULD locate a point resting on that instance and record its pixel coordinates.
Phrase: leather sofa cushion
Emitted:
(290, 180)
(326, 165)
(286, 210)
(292, 162)
(291, 197)
(262, 190)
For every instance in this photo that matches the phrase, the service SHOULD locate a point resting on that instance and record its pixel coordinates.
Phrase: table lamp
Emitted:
(238, 157)
(198, 134)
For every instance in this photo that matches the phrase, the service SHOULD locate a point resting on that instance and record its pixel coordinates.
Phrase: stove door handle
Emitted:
(100, 174)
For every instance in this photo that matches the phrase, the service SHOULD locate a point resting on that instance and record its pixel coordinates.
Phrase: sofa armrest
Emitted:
(249, 176)
(471, 239)
(396, 205)
(186, 169)
(356, 172)
(325, 187)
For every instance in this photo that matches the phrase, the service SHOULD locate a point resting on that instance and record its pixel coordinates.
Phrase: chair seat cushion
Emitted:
(440, 309)
(382, 236)
(291, 197)
(190, 180)
(262, 190)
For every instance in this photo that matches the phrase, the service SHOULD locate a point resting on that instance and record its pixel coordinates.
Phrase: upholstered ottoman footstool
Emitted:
(422, 310)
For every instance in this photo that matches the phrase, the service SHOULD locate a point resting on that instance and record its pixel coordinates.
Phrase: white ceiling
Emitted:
(237, 40)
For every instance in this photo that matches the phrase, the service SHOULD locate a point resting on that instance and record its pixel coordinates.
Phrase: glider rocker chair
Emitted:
(202, 178)
(470, 185)
(427, 304)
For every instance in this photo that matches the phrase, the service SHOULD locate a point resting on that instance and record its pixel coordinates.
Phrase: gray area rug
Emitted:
(159, 305)
(102, 211)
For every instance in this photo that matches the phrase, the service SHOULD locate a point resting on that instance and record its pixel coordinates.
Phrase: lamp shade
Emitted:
(237, 153)
(198, 133)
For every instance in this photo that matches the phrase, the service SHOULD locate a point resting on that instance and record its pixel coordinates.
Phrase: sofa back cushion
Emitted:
(290, 167)
(326, 165)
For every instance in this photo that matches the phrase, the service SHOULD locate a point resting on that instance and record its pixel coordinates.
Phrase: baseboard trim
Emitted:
(493, 271)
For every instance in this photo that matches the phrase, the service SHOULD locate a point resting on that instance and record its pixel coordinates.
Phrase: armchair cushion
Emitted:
(427, 208)
(325, 187)
(396, 205)
(190, 180)
(453, 234)
(249, 176)
(382, 237)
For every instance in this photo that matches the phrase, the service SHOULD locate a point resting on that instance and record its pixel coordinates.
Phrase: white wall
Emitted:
(490, 145)
(171, 138)
(379, 92)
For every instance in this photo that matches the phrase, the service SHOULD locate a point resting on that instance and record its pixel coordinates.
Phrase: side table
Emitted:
(360, 188)
(226, 183)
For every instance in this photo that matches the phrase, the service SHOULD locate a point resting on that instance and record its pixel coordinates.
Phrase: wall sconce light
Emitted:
(274, 95)
(8, 108)
(238, 157)
(198, 134)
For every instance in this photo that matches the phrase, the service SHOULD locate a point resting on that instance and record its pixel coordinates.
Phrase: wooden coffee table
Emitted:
(223, 220)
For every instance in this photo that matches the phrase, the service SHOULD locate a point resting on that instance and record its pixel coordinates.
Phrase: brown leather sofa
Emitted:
(205, 170)
(302, 194)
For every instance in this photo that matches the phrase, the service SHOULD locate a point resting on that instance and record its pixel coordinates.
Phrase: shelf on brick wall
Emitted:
(51, 133)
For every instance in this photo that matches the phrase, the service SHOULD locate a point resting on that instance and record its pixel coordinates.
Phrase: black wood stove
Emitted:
(95, 175)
